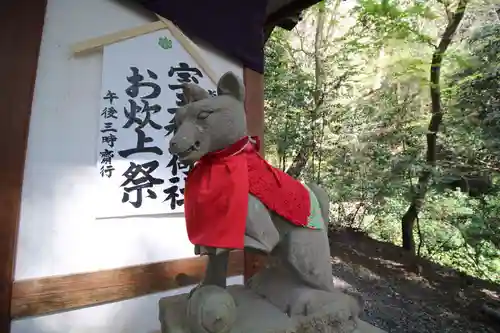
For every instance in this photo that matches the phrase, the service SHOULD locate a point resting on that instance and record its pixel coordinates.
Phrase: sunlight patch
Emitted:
(491, 293)
(391, 263)
(341, 284)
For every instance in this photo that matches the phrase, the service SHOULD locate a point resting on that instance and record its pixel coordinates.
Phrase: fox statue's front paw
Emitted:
(211, 309)
(195, 288)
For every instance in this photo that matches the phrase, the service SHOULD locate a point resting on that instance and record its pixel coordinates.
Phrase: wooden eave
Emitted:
(286, 13)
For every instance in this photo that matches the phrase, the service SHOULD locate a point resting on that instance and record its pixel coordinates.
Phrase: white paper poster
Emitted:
(141, 89)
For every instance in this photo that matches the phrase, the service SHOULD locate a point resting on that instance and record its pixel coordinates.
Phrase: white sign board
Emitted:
(141, 89)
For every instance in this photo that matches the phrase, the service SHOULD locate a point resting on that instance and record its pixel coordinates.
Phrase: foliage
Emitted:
(352, 81)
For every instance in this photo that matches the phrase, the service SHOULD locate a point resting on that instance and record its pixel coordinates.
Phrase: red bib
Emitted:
(217, 189)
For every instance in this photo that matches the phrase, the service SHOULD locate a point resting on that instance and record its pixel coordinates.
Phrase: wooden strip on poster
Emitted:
(20, 36)
(99, 42)
(190, 48)
(59, 293)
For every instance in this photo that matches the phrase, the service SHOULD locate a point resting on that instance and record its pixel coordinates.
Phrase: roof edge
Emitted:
(289, 15)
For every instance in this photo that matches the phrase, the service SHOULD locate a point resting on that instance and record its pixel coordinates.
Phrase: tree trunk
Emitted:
(300, 160)
(407, 224)
(411, 215)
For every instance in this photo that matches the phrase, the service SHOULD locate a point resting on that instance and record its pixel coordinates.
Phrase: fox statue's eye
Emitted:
(204, 114)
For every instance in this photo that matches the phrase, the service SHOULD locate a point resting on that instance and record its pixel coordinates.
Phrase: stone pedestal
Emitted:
(254, 314)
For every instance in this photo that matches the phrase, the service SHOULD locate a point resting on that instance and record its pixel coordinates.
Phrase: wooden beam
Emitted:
(59, 293)
(20, 37)
(254, 107)
(254, 103)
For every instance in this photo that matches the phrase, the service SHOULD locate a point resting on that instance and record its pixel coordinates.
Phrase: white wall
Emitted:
(58, 231)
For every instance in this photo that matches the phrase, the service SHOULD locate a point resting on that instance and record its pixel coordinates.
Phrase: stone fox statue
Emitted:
(235, 200)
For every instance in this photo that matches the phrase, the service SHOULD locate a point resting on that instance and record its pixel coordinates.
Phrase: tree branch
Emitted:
(331, 25)
(446, 5)
(300, 160)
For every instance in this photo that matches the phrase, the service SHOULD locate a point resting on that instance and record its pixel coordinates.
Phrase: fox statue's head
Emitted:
(209, 123)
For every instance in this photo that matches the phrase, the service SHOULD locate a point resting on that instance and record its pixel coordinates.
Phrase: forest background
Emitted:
(394, 107)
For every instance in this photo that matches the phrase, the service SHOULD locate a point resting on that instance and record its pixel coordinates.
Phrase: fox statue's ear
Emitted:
(230, 84)
(193, 92)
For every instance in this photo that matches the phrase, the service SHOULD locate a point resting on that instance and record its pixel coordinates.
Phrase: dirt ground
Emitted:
(406, 294)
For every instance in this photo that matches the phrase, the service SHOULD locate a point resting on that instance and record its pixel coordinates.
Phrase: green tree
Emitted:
(349, 105)
(420, 190)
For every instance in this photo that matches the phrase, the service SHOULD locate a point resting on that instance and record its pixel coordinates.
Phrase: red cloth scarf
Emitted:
(217, 188)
